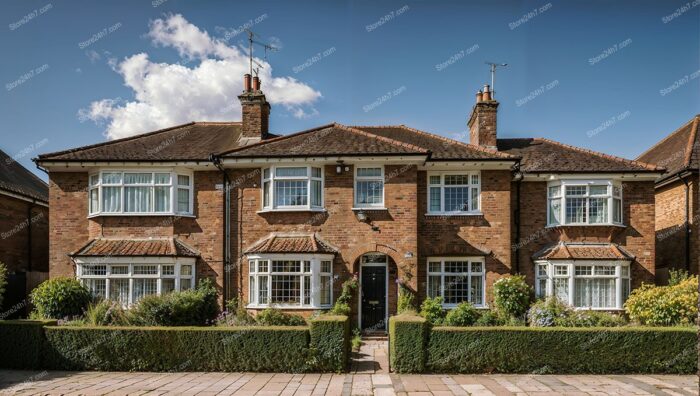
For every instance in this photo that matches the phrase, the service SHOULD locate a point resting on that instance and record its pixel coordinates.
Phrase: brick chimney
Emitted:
(482, 122)
(255, 109)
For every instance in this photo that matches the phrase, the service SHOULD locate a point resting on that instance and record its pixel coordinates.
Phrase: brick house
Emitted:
(24, 233)
(284, 220)
(676, 195)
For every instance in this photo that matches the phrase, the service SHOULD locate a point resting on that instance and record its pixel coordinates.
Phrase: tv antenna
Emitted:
(493, 66)
(266, 47)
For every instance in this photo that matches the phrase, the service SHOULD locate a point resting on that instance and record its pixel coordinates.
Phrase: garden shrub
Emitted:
(405, 300)
(196, 307)
(546, 313)
(3, 281)
(554, 312)
(60, 297)
(664, 305)
(106, 313)
(463, 314)
(489, 317)
(431, 309)
(408, 334)
(275, 317)
(562, 350)
(22, 343)
(676, 276)
(342, 304)
(512, 295)
(330, 342)
(262, 349)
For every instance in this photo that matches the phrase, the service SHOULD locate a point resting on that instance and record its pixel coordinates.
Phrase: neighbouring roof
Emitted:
(136, 247)
(540, 155)
(17, 179)
(678, 151)
(583, 251)
(291, 243)
(194, 141)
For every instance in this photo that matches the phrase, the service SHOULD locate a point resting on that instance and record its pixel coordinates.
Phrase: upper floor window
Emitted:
(584, 203)
(116, 192)
(292, 187)
(369, 187)
(454, 192)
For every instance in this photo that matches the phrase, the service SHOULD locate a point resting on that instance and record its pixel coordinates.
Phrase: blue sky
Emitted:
(609, 76)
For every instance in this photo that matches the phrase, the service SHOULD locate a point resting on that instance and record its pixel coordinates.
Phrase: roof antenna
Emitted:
(493, 66)
(266, 47)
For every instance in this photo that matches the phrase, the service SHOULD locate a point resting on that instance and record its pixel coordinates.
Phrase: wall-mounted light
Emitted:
(339, 167)
(362, 216)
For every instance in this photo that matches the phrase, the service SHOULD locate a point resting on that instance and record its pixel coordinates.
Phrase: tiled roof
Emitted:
(331, 139)
(541, 155)
(136, 247)
(441, 148)
(193, 141)
(17, 179)
(291, 243)
(583, 251)
(678, 151)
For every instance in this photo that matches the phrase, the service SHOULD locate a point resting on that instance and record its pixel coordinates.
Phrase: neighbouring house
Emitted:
(677, 209)
(24, 234)
(284, 220)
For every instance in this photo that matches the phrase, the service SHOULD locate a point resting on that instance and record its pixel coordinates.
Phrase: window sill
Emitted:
(289, 307)
(587, 225)
(315, 210)
(452, 306)
(453, 214)
(141, 214)
(369, 208)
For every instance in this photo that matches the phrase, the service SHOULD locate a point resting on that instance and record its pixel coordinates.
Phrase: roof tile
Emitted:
(136, 247)
(291, 243)
(583, 251)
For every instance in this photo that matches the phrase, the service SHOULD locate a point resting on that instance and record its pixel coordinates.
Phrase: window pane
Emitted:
(457, 266)
(183, 200)
(456, 180)
(251, 266)
(262, 266)
(369, 172)
(554, 192)
(456, 199)
(97, 287)
(434, 199)
(599, 190)
(251, 290)
(168, 270)
(475, 179)
(575, 190)
(94, 179)
(94, 201)
(584, 270)
(542, 287)
(307, 290)
(137, 199)
(369, 192)
(145, 270)
(477, 290)
(286, 289)
(561, 270)
(576, 210)
(456, 289)
(262, 290)
(598, 210)
(183, 180)
(266, 173)
(475, 198)
(434, 286)
(137, 178)
(325, 290)
(316, 193)
(119, 290)
(291, 172)
(162, 199)
(167, 285)
(555, 211)
(316, 172)
(94, 270)
(162, 178)
(434, 267)
(185, 284)
(542, 270)
(625, 290)
(604, 270)
(307, 266)
(120, 270)
(111, 178)
(595, 292)
(144, 287)
(326, 266)
(617, 210)
(291, 192)
(266, 194)
(561, 289)
(286, 266)
(477, 267)
(616, 191)
(625, 271)
(111, 199)
(434, 179)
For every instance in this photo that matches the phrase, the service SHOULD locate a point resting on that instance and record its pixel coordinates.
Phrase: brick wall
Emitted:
(19, 218)
(68, 223)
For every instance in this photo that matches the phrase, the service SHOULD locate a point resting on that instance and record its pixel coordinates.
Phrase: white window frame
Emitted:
(620, 279)
(469, 275)
(470, 174)
(173, 185)
(82, 275)
(315, 274)
(611, 197)
(380, 178)
(272, 206)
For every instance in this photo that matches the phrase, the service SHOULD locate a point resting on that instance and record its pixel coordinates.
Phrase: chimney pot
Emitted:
(246, 83)
(479, 96)
(487, 93)
(256, 83)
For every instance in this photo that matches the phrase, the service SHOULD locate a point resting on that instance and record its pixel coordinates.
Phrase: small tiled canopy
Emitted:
(583, 251)
(162, 247)
(291, 243)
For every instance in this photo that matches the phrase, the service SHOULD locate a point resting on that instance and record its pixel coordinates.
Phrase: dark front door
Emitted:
(373, 298)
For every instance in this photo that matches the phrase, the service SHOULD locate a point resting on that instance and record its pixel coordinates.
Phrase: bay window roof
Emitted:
(291, 243)
(583, 251)
(155, 247)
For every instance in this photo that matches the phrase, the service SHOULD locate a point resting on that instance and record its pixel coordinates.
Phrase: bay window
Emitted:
(454, 192)
(290, 281)
(578, 202)
(585, 284)
(457, 279)
(140, 192)
(127, 282)
(292, 188)
(369, 187)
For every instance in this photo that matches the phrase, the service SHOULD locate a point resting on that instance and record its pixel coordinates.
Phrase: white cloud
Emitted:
(170, 94)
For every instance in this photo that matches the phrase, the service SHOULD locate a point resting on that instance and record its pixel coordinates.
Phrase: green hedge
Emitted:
(407, 342)
(330, 342)
(562, 350)
(280, 349)
(21, 343)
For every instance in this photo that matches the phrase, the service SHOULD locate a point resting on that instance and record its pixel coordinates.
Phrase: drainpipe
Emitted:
(29, 238)
(687, 221)
(227, 229)
(518, 180)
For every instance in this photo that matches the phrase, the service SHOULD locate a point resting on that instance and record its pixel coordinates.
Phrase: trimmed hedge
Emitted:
(21, 343)
(562, 350)
(280, 349)
(408, 334)
(330, 342)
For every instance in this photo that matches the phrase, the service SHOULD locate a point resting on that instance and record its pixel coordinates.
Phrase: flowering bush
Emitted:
(432, 311)
(554, 312)
(512, 295)
(665, 305)
(463, 314)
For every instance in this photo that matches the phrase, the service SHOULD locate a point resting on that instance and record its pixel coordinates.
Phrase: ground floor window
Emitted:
(290, 281)
(457, 279)
(585, 284)
(128, 282)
